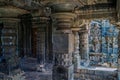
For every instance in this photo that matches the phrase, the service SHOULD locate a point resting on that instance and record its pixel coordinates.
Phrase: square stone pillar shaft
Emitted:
(63, 48)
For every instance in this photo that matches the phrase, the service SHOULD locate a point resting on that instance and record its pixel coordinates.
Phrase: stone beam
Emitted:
(23, 4)
(11, 12)
(97, 14)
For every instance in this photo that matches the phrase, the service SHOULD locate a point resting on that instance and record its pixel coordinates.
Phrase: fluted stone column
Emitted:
(63, 41)
(39, 44)
(118, 53)
(118, 26)
(76, 51)
(84, 44)
(40, 38)
(26, 26)
(76, 56)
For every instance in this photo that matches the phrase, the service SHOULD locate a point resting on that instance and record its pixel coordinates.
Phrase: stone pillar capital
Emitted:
(63, 15)
(63, 6)
(79, 25)
(63, 21)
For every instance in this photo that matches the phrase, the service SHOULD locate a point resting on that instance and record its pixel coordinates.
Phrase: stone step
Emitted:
(85, 74)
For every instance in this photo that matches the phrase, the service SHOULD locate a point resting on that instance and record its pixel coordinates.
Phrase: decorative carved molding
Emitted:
(97, 14)
(63, 21)
(91, 2)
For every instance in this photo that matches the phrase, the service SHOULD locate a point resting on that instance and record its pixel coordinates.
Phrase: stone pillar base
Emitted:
(118, 75)
(63, 73)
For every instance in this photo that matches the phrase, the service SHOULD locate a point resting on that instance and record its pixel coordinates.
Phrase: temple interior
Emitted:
(59, 39)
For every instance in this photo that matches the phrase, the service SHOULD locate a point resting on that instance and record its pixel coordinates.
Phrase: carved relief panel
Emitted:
(95, 37)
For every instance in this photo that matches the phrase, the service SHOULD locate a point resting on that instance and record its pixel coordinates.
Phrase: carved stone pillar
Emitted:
(118, 53)
(84, 43)
(76, 51)
(118, 26)
(63, 49)
(26, 26)
(76, 56)
(9, 60)
(9, 63)
(63, 41)
(40, 25)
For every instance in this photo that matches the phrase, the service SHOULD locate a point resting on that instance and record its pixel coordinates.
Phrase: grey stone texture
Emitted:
(63, 43)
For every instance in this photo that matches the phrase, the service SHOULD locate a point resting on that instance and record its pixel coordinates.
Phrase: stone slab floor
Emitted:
(29, 66)
(32, 75)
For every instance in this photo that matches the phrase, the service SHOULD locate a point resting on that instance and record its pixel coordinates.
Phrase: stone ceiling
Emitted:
(34, 5)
